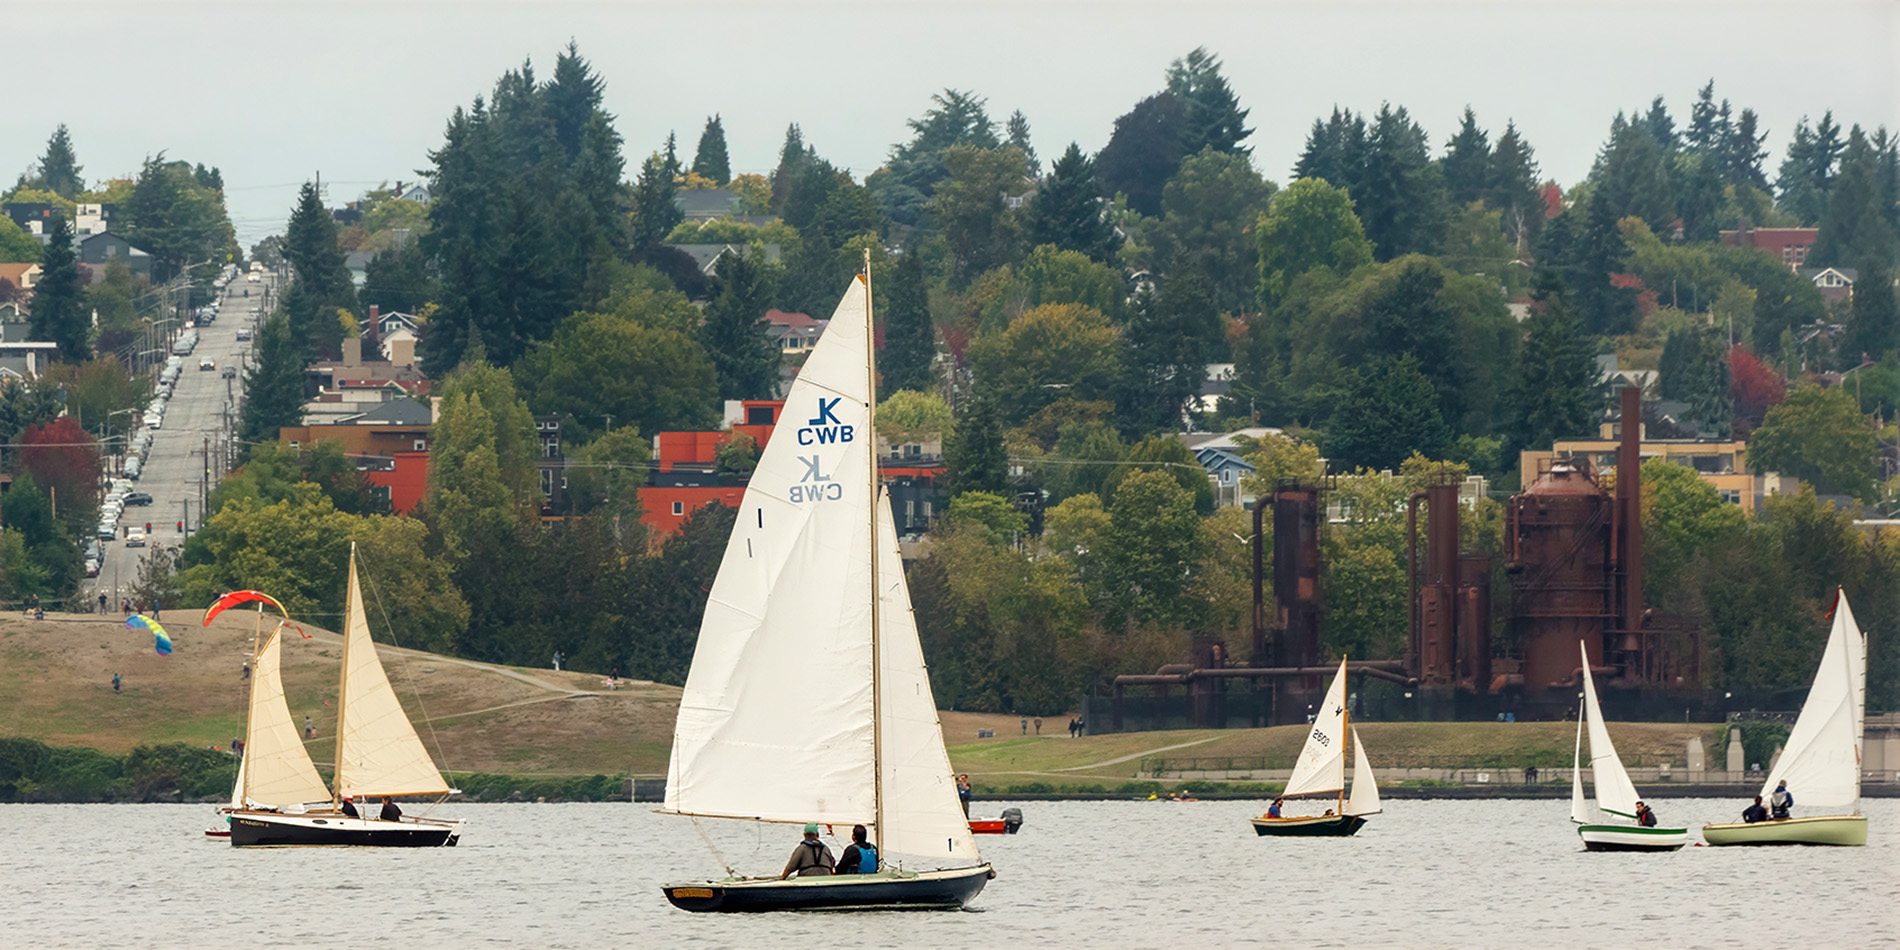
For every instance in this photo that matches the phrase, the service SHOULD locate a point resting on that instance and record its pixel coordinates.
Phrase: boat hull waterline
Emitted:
(1324, 826)
(891, 890)
(1837, 830)
(266, 830)
(1632, 838)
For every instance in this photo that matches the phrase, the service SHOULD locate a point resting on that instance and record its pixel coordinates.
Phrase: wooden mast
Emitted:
(877, 659)
(343, 683)
(250, 707)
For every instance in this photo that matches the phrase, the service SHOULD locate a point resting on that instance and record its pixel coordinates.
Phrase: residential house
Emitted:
(389, 443)
(21, 358)
(1612, 377)
(338, 389)
(1223, 455)
(705, 204)
(1836, 284)
(91, 218)
(1723, 463)
(22, 275)
(706, 256)
(1216, 384)
(33, 217)
(1791, 245)
(106, 247)
(552, 465)
(394, 334)
(793, 333)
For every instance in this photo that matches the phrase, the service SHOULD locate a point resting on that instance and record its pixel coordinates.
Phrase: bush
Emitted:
(482, 786)
(157, 771)
(32, 771)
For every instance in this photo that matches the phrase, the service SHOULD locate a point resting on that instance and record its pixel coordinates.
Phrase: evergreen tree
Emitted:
(59, 312)
(1067, 210)
(1512, 188)
(744, 359)
(654, 213)
(1699, 196)
(1632, 177)
(1213, 117)
(1856, 226)
(1017, 136)
(1807, 170)
(1144, 151)
(973, 454)
(790, 155)
(1672, 371)
(1660, 126)
(1467, 162)
(1706, 133)
(1555, 392)
(59, 167)
(1707, 383)
(710, 161)
(321, 284)
(397, 280)
(910, 338)
(1164, 351)
(1335, 151)
(1389, 410)
(1402, 197)
(1743, 153)
(1583, 248)
(273, 385)
(1873, 325)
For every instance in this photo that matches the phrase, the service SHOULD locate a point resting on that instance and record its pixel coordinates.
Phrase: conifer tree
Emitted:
(744, 360)
(1389, 410)
(1214, 117)
(273, 384)
(1873, 325)
(1660, 126)
(1807, 169)
(709, 160)
(1017, 135)
(1512, 188)
(1467, 162)
(1067, 210)
(59, 167)
(321, 284)
(1401, 200)
(1855, 227)
(910, 338)
(59, 310)
(1164, 351)
(790, 155)
(973, 454)
(1743, 154)
(1335, 151)
(1706, 132)
(1554, 392)
(654, 213)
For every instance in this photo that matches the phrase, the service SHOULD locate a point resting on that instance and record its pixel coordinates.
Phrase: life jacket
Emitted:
(867, 859)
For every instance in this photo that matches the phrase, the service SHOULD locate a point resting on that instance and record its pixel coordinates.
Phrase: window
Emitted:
(926, 509)
(1227, 476)
(679, 508)
(547, 482)
(910, 510)
(422, 445)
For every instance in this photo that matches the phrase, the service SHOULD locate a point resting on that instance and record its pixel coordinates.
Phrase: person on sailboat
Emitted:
(1781, 801)
(860, 856)
(1644, 816)
(1755, 812)
(349, 808)
(811, 857)
(1273, 810)
(390, 812)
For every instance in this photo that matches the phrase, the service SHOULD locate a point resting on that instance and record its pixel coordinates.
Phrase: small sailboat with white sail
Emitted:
(378, 754)
(1615, 793)
(1821, 762)
(808, 700)
(1321, 772)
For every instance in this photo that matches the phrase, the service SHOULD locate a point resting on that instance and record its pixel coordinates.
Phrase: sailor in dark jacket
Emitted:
(1755, 812)
(390, 811)
(860, 856)
(810, 857)
(1781, 801)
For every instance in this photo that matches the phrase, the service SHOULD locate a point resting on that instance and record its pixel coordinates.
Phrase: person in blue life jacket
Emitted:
(1273, 810)
(1755, 812)
(1781, 800)
(860, 856)
(1644, 816)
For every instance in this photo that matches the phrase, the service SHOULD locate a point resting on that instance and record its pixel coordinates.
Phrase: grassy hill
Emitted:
(56, 686)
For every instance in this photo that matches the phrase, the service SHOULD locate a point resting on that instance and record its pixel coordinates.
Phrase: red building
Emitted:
(403, 477)
(1789, 244)
(685, 474)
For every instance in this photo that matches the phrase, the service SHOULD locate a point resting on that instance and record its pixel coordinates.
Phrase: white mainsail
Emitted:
(1365, 789)
(1579, 806)
(378, 752)
(1615, 793)
(1821, 760)
(275, 768)
(921, 813)
(1322, 764)
(776, 723)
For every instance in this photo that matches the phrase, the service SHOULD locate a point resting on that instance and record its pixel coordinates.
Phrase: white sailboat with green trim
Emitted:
(1822, 759)
(1616, 795)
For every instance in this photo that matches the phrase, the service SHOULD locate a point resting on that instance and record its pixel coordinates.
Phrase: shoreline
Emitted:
(1742, 793)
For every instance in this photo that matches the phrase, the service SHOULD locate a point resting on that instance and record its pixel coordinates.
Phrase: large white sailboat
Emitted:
(808, 700)
(1821, 761)
(1321, 772)
(378, 754)
(1615, 793)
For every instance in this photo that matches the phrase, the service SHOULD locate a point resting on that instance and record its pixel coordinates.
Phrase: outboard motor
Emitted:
(1012, 820)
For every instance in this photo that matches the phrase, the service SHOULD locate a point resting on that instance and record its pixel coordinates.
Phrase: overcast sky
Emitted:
(274, 92)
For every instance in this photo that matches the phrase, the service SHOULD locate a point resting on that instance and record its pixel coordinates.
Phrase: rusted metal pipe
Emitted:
(1415, 657)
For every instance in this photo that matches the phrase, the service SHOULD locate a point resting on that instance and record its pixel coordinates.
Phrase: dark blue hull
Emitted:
(928, 890)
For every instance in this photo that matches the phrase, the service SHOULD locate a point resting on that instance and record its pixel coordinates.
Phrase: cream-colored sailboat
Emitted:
(808, 699)
(1821, 761)
(378, 754)
(1320, 772)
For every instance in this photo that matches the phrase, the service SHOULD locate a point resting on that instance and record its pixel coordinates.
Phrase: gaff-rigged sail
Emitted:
(1821, 761)
(1321, 768)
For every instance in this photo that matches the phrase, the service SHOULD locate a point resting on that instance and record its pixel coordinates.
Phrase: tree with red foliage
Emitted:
(64, 461)
(1755, 388)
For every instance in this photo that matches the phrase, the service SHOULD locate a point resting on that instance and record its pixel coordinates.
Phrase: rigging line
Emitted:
(408, 674)
(703, 836)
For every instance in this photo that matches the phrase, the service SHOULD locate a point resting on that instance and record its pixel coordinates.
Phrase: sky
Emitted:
(275, 92)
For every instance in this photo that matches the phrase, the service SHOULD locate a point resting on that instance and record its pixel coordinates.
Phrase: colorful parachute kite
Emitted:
(237, 597)
(161, 642)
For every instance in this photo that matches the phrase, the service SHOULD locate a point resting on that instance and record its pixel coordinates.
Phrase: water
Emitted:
(1099, 875)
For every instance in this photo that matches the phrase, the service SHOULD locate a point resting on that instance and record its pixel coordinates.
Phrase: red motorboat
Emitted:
(1011, 821)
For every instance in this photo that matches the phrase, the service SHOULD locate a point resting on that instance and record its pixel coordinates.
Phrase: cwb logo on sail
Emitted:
(824, 429)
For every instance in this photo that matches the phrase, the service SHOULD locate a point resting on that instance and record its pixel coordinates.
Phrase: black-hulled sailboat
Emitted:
(808, 700)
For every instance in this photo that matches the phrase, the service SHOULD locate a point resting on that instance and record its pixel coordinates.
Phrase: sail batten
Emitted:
(378, 752)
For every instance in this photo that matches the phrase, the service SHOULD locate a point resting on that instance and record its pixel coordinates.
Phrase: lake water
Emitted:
(1081, 874)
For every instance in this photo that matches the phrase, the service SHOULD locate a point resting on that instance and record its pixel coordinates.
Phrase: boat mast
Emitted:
(250, 710)
(877, 659)
(343, 683)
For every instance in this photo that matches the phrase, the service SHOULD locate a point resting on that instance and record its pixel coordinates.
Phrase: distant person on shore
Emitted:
(1038, 725)
(1081, 726)
(348, 808)
(390, 811)
(1025, 725)
(1530, 774)
(1645, 816)
(309, 728)
(860, 856)
(963, 793)
(115, 682)
(810, 858)
(102, 603)
(1273, 810)
(1071, 727)
(1781, 800)
(557, 661)
(1755, 812)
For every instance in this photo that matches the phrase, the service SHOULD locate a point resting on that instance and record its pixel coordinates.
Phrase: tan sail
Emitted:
(378, 752)
(275, 769)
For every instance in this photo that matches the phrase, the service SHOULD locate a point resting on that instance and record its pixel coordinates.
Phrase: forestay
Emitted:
(1615, 793)
(775, 722)
(275, 769)
(1322, 764)
(1365, 788)
(1821, 761)
(378, 752)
